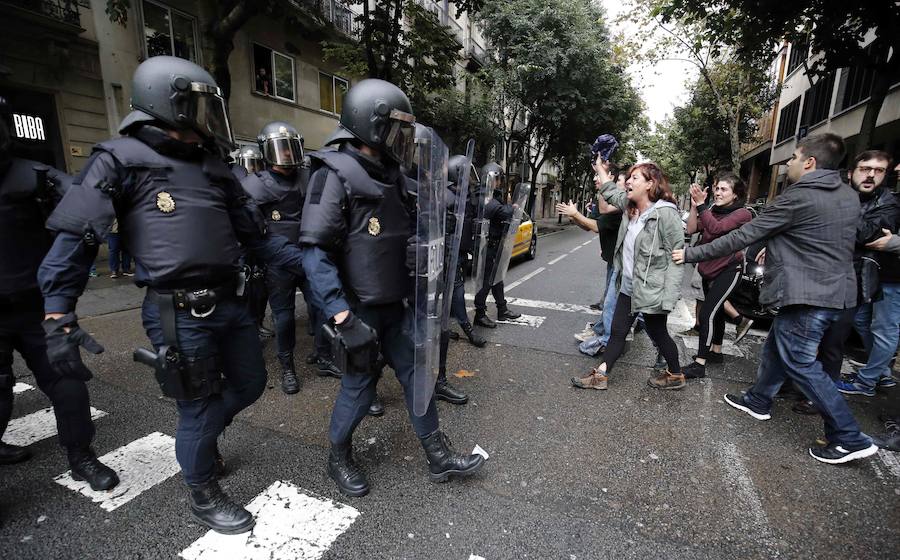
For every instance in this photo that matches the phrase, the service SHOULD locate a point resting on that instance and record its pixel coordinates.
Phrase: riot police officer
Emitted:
(498, 215)
(246, 160)
(278, 192)
(354, 234)
(185, 218)
(28, 192)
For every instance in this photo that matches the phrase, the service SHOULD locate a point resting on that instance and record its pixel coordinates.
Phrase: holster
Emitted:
(348, 361)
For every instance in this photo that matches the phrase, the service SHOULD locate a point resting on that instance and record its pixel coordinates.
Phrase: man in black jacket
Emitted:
(810, 231)
(878, 273)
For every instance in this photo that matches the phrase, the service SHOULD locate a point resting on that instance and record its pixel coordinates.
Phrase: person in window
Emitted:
(263, 81)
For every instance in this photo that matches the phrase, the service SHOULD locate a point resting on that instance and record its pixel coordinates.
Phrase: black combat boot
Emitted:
(290, 383)
(443, 461)
(483, 320)
(474, 338)
(452, 335)
(11, 454)
(327, 368)
(507, 315)
(343, 471)
(212, 507)
(312, 358)
(377, 407)
(86, 466)
(444, 391)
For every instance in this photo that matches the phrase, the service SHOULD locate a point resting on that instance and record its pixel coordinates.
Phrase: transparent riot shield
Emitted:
(431, 208)
(520, 197)
(482, 225)
(456, 214)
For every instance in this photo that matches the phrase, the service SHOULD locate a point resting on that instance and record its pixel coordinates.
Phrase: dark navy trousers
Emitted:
(230, 333)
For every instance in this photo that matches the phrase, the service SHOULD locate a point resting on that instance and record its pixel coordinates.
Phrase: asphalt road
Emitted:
(627, 473)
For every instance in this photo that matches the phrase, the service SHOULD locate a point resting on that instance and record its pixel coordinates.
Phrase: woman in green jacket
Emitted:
(649, 283)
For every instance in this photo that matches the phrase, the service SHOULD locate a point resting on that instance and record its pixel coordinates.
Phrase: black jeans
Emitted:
(282, 287)
(831, 349)
(712, 313)
(493, 253)
(20, 330)
(623, 318)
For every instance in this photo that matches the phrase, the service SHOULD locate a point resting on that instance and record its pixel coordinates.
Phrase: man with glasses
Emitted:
(878, 275)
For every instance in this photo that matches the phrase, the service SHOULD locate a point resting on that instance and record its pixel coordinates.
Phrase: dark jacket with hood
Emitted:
(879, 209)
(810, 231)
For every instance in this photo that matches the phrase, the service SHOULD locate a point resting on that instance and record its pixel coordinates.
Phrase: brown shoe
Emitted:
(593, 380)
(667, 380)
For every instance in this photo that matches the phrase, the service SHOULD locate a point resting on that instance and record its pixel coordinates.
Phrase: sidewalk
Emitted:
(547, 226)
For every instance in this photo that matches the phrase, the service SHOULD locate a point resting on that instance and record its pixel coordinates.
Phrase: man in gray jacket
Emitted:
(810, 231)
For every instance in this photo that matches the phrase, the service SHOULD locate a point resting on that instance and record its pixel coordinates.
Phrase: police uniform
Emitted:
(499, 215)
(24, 241)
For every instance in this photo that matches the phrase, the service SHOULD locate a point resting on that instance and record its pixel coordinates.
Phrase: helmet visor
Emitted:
(283, 151)
(250, 162)
(210, 116)
(401, 138)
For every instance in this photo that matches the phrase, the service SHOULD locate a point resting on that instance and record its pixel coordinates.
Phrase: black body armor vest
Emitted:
(372, 261)
(175, 219)
(24, 241)
(279, 199)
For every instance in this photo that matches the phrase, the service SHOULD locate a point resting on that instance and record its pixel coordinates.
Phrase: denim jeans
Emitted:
(862, 323)
(885, 331)
(119, 259)
(601, 327)
(790, 353)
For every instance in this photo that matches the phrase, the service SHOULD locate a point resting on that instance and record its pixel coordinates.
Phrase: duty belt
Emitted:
(200, 303)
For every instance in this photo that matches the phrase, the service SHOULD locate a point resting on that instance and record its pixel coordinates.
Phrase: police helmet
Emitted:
(378, 114)
(492, 177)
(250, 158)
(457, 167)
(181, 95)
(281, 144)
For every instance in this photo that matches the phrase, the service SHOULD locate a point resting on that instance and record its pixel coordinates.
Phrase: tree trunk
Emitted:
(883, 78)
(222, 33)
(735, 140)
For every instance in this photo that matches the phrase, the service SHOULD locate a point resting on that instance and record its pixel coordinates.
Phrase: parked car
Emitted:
(526, 239)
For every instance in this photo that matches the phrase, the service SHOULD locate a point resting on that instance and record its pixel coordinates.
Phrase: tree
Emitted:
(552, 86)
(739, 85)
(417, 56)
(834, 30)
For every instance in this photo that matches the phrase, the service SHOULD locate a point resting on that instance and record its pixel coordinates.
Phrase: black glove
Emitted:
(355, 333)
(62, 346)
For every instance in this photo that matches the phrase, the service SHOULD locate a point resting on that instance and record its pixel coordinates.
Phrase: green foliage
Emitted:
(117, 11)
(456, 120)
(552, 85)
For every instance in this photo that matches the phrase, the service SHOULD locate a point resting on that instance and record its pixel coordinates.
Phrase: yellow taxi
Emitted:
(526, 239)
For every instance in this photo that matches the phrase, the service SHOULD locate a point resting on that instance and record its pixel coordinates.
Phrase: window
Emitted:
(274, 73)
(798, 56)
(168, 32)
(331, 92)
(787, 120)
(856, 82)
(817, 101)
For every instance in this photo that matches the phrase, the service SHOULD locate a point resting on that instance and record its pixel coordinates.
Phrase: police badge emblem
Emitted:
(165, 202)
(276, 215)
(374, 226)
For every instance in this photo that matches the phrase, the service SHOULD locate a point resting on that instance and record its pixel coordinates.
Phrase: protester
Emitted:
(878, 275)
(719, 276)
(119, 259)
(649, 283)
(810, 230)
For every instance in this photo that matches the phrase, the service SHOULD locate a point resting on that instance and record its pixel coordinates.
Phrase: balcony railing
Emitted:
(65, 11)
(337, 13)
(457, 31)
(475, 50)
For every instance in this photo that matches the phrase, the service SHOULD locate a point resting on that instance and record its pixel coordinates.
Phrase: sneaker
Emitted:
(886, 381)
(597, 306)
(667, 380)
(593, 380)
(128, 273)
(585, 335)
(712, 357)
(113, 274)
(743, 328)
(694, 370)
(740, 403)
(855, 362)
(853, 387)
(693, 331)
(805, 407)
(835, 453)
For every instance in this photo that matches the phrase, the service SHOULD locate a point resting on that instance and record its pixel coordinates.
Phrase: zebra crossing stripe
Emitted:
(728, 347)
(533, 321)
(141, 465)
(290, 525)
(36, 426)
(21, 388)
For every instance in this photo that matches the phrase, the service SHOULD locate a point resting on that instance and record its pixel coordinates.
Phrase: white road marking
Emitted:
(533, 321)
(891, 460)
(680, 318)
(21, 388)
(728, 347)
(753, 514)
(290, 525)
(141, 465)
(575, 248)
(586, 243)
(557, 259)
(37, 426)
(473, 557)
(525, 278)
(551, 305)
